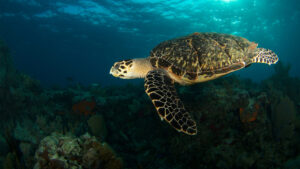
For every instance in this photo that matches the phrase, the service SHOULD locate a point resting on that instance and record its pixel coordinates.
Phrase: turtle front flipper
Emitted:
(161, 90)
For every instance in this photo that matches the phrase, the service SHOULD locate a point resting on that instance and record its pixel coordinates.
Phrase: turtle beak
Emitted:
(113, 71)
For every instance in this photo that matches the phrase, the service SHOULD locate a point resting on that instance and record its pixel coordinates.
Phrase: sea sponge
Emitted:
(283, 118)
(109, 158)
(90, 159)
(97, 126)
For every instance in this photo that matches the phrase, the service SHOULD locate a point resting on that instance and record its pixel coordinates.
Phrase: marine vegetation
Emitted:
(240, 124)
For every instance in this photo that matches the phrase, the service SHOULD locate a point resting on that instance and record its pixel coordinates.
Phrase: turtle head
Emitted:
(263, 55)
(131, 69)
(122, 69)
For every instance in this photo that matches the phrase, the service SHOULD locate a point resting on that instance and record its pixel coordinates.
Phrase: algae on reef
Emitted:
(86, 152)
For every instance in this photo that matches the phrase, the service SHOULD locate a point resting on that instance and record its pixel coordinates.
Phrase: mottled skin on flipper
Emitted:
(160, 88)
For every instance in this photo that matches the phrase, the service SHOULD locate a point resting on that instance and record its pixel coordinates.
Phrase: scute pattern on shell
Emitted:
(202, 53)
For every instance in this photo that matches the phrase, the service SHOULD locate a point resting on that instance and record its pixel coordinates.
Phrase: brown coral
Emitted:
(84, 107)
(247, 117)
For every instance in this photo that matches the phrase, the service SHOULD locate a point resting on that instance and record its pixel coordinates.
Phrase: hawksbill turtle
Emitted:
(190, 59)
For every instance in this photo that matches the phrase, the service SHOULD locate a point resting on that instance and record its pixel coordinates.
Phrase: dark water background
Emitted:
(54, 40)
(240, 124)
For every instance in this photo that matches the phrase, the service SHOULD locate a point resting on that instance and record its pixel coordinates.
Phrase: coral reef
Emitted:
(241, 124)
(4, 149)
(11, 162)
(7, 71)
(86, 152)
(293, 163)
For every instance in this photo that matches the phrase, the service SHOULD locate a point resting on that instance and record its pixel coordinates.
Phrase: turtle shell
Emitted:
(202, 53)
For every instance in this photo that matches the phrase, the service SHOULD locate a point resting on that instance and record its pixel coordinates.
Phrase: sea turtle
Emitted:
(194, 58)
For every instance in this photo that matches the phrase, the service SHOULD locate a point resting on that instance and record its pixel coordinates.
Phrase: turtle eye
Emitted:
(117, 65)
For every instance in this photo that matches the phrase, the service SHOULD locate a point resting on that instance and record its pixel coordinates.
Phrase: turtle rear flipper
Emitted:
(265, 56)
(161, 90)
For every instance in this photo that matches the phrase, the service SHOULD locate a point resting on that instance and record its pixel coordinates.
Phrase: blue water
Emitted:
(54, 40)
(63, 42)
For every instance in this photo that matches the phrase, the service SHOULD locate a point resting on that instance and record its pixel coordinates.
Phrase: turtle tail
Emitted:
(263, 55)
